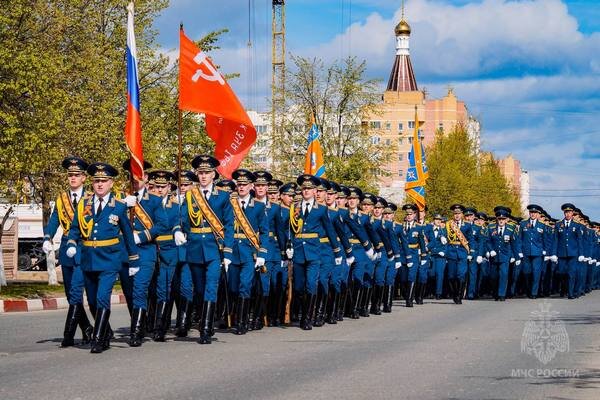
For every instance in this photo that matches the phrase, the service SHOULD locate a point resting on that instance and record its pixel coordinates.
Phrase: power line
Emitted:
(530, 108)
(566, 195)
(563, 190)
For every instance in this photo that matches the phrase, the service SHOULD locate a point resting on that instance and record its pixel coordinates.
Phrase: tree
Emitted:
(337, 96)
(458, 175)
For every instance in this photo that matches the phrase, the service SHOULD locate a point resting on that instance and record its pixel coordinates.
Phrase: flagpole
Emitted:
(179, 149)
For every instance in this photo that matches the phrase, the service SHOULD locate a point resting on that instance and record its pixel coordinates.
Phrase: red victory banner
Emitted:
(203, 89)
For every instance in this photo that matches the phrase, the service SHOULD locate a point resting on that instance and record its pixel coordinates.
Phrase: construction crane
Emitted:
(278, 64)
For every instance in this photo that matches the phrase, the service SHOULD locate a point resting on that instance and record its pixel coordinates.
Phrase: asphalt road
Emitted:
(435, 351)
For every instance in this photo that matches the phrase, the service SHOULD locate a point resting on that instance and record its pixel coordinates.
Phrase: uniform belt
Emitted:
(201, 230)
(455, 243)
(240, 236)
(163, 238)
(354, 241)
(413, 246)
(324, 240)
(307, 236)
(101, 243)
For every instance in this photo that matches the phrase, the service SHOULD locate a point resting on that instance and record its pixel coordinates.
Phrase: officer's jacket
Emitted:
(150, 221)
(359, 232)
(479, 239)
(338, 224)
(549, 240)
(62, 215)
(435, 244)
(274, 244)
(532, 238)
(398, 250)
(380, 228)
(414, 237)
(243, 249)
(202, 244)
(307, 240)
(168, 252)
(101, 234)
(568, 241)
(506, 245)
(285, 239)
(456, 251)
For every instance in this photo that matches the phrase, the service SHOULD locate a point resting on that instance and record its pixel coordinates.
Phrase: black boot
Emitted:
(453, 290)
(410, 293)
(334, 299)
(377, 299)
(206, 325)
(242, 316)
(259, 315)
(86, 328)
(183, 309)
(364, 302)
(341, 306)
(160, 322)
(417, 292)
(321, 303)
(387, 293)
(310, 301)
(461, 289)
(101, 334)
(71, 325)
(356, 298)
(150, 317)
(136, 332)
(420, 293)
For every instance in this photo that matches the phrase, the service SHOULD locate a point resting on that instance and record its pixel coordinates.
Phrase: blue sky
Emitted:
(529, 70)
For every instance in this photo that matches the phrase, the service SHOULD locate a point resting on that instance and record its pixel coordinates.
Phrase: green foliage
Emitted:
(336, 96)
(457, 175)
(63, 90)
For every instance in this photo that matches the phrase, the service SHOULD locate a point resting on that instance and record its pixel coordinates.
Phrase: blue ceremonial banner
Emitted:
(313, 163)
(417, 173)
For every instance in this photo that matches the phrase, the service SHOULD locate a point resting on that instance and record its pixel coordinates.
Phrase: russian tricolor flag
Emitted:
(133, 125)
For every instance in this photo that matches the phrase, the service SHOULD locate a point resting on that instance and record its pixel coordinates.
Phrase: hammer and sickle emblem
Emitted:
(213, 76)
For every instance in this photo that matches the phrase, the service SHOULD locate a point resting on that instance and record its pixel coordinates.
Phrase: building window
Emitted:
(388, 142)
(410, 140)
(375, 124)
(401, 157)
(400, 141)
(411, 124)
(388, 126)
(400, 126)
(261, 128)
(375, 139)
(401, 173)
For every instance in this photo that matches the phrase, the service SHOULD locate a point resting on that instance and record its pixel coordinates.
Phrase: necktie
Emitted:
(74, 201)
(501, 231)
(305, 213)
(568, 223)
(205, 194)
(244, 204)
(99, 210)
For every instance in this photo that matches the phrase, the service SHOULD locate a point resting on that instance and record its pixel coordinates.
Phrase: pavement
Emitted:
(435, 351)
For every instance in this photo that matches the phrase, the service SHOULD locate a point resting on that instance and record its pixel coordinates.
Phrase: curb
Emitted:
(9, 306)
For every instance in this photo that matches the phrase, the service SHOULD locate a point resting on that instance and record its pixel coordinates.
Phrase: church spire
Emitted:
(402, 77)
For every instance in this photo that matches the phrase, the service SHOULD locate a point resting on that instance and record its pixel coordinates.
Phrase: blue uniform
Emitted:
(532, 236)
(62, 216)
(150, 221)
(100, 251)
(569, 246)
(360, 235)
(504, 244)
(329, 272)
(275, 246)
(241, 270)
(388, 251)
(437, 241)
(168, 251)
(474, 267)
(414, 238)
(457, 254)
(203, 248)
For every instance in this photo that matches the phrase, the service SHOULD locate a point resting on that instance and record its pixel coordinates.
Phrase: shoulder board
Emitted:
(232, 195)
(343, 208)
(332, 208)
(119, 200)
(284, 206)
(219, 188)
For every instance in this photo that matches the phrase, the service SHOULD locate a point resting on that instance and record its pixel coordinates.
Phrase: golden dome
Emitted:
(402, 28)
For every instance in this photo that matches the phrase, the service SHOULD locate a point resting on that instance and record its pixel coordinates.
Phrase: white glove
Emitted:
(441, 254)
(47, 247)
(136, 238)
(469, 258)
(544, 252)
(493, 253)
(390, 259)
(131, 201)
(443, 240)
(423, 262)
(370, 253)
(546, 258)
(580, 258)
(409, 264)
(397, 265)
(289, 253)
(377, 256)
(487, 254)
(594, 261)
(554, 259)
(591, 262)
(350, 260)
(586, 259)
(71, 251)
(226, 263)
(479, 259)
(133, 271)
(338, 261)
(512, 259)
(283, 264)
(520, 255)
(260, 261)
(597, 263)
(179, 238)
(518, 262)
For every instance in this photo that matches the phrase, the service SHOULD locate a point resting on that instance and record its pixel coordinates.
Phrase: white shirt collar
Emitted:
(209, 188)
(263, 200)
(78, 192)
(245, 199)
(105, 199)
(310, 203)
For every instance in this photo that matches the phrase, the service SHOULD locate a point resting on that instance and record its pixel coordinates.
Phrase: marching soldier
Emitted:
(251, 235)
(412, 234)
(149, 221)
(481, 219)
(99, 221)
(502, 244)
(62, 216)
(532, 237)
(461, 249)
(437, 242)
(282, 273)
(568, 239)
(473, 265)
(208, 227)
(309, 222)
(400, 258)
(342, 274)
(273, 190)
